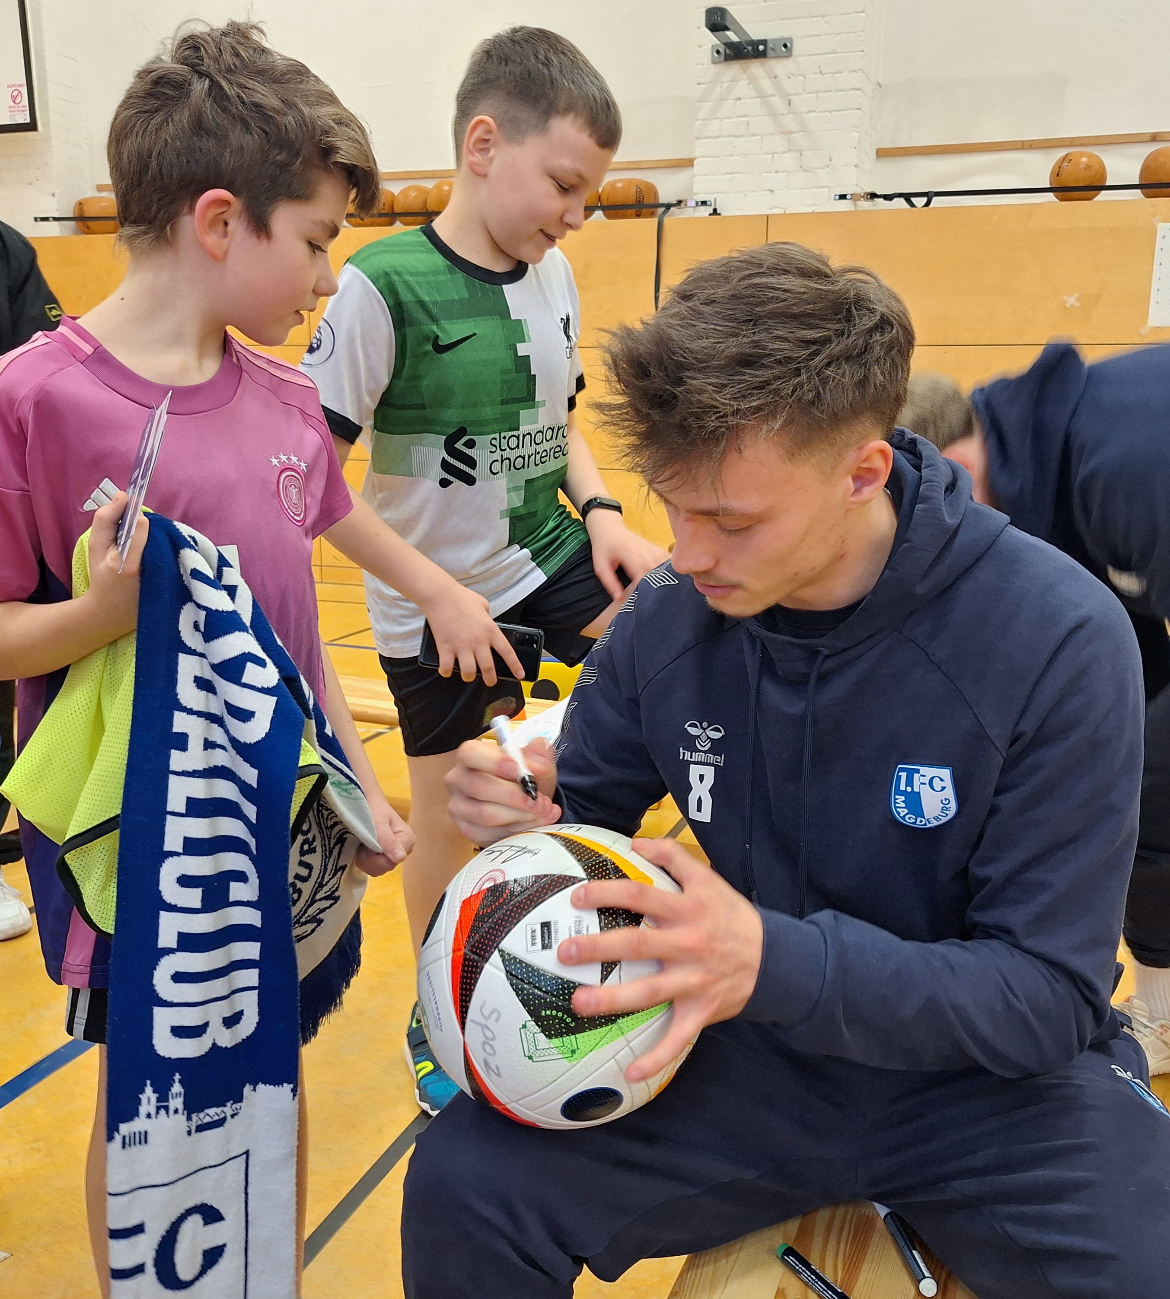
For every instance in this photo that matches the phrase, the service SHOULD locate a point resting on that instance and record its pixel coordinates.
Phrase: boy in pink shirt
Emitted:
(233, 168)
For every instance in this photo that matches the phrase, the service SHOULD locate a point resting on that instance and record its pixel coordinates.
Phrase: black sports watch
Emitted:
(599, 503)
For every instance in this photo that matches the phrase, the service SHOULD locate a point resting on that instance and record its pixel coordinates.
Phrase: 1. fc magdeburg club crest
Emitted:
(923, 796)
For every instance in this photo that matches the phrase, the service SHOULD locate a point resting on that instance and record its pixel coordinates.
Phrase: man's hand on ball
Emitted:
(709, 938)
(487, 804)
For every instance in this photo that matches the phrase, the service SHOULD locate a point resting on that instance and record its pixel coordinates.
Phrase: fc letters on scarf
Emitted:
(203, 1010)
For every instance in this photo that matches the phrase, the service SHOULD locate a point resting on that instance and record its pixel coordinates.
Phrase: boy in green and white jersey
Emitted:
(456, 344)
(468, 377)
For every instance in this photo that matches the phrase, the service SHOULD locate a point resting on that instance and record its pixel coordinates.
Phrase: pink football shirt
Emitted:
(247, 460)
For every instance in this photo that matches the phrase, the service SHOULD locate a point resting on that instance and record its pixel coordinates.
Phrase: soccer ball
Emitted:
(496, 1002)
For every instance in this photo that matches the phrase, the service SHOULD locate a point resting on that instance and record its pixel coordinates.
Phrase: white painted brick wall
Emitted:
(774, 135)
(784, 135)
(44, 173)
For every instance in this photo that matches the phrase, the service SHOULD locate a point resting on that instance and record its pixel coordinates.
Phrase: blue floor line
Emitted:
(35, 1073)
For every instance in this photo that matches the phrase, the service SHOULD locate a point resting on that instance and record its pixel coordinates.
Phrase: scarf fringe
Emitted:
(323, 989)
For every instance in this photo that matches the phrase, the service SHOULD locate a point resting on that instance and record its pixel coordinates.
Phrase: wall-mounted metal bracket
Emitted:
(720, 22)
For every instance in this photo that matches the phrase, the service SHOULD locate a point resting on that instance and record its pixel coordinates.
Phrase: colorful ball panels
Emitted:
(496, 1002)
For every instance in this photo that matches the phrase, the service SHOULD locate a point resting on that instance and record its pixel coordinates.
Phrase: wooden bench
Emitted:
(848, 1242)
(369, 700)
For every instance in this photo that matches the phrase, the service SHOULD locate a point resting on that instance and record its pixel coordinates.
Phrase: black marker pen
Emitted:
(914, 1261)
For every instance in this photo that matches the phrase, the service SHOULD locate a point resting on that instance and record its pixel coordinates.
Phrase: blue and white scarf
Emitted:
(203, 1010)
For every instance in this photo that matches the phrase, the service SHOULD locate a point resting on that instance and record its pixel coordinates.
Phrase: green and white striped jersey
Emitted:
(466, 378)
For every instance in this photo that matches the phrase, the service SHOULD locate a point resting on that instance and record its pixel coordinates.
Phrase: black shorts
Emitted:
(85, 1013)
(437, 713)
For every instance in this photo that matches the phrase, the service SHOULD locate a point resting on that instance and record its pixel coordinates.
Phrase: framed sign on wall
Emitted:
(18, 110)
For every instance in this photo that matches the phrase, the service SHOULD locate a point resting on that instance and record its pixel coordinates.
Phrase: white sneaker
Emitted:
(1153, 1034)
(14, 917)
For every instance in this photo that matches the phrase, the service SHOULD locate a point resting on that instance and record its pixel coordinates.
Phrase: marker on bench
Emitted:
(813, 1277)
(915, 1263)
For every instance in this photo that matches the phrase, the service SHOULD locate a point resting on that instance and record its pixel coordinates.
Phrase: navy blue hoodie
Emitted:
(934, 807)
(1078, 456)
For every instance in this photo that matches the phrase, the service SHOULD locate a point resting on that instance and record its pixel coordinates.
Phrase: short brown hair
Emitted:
(524, 77)
(937, 410)
(773, 340)
(218, 108)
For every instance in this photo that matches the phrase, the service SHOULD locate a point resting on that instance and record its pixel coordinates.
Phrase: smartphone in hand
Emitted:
(528, 642)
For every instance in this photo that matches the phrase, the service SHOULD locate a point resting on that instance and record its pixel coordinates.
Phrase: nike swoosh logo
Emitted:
(440, 348)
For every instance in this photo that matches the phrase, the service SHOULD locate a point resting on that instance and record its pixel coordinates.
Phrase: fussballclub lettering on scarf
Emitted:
(203, 1021)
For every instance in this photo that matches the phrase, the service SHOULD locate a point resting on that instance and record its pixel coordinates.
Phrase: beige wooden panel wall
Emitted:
(987, 288)
(1022, 273)
(1011, 276)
